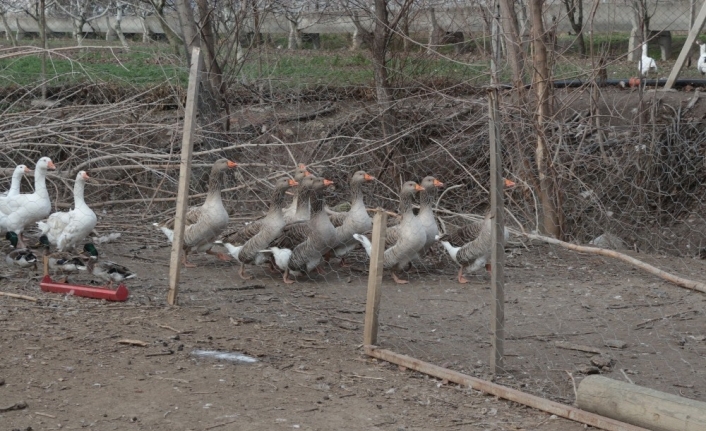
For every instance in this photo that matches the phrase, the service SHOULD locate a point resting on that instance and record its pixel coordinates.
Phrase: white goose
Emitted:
(701, 64)
(646, 63)
(17, 174)
(25, 209)
(65, 229)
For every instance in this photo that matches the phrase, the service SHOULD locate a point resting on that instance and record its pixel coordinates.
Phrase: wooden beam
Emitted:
(187, 145)
(497, 310)
(563, 410)
(372, 306)
(688, 45)
(640, 406)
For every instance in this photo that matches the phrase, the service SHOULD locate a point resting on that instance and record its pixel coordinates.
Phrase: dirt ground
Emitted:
(63, 354)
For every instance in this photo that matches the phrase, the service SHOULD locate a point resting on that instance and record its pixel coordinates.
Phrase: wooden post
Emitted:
(640, 406)
(372, 306)
(690, 39)
(187, 144)
(563, 410)
(495, 44)
(497, 312)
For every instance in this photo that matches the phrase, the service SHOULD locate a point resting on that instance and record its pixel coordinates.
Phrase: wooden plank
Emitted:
(563, 410)
(187, 145)
(497, 311)
(640, 406)
(688, 45)
(372, 306)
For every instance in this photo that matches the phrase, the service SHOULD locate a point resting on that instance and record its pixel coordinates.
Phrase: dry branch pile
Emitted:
(636, 183)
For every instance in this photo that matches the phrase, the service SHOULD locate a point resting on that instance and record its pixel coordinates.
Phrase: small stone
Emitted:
(587, 369)
(615, 344)
(602, 361)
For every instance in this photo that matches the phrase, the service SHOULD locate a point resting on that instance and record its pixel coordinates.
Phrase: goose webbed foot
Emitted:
(242, 274)
(461, 278)
(285, 277)
(399, 280)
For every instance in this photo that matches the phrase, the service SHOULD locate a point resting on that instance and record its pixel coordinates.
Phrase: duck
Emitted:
(427, 199)
(105, 269)
(701, 64)
(355, 220)
(646, 63)
(205, 223)
(475, 253)
(22, 257)
(17, 174)
(319, 234)
(260, 233)
(24, 209)
(299, 209)
(411, 236)
(66, 229)
(63, 262)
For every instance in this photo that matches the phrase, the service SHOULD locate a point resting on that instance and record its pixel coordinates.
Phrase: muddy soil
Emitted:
(65, 356)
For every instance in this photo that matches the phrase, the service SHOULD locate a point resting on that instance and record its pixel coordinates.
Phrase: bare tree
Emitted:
(82, 12)
(574, 10)
(541, 82)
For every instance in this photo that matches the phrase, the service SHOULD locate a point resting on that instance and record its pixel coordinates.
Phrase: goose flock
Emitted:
(292, 239)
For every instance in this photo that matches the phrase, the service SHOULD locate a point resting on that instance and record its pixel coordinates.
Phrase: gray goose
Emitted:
(260, 233)
(470, 231)
(205, 223)
(355, 220)
(320, 236)
(476, 252)
(427, 198)
(410, 238)
(299, 209)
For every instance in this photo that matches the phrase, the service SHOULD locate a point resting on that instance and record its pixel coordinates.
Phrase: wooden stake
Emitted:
(372, 306)
(17, 296)
(688, 45)
(679, 281)
(187, 145)
(497, 311)
(565, 411)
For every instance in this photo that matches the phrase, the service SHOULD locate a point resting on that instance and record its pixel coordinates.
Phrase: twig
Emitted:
(46, 415)
(579, 347)
(169, 327)
(679, 281)
(573, 382)
(17, 296)
(626, 376)
(220, 425)
(668, 316)
(133, 342)
(165, 353)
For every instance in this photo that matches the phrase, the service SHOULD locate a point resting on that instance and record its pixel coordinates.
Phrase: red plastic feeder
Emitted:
(120, 294)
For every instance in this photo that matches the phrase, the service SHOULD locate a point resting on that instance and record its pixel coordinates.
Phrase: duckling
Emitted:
(105, 269)
(22, 257)
(60, 261)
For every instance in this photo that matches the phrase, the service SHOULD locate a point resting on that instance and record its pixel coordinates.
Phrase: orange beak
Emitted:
(293, 183)
(328, 182)
(232, 164)
(302, 166)
(27, 170)
(509, 183)
(51, 165)
(85, 176)
(369, 177)
(418, 188)
(307, 173)
(438, 183)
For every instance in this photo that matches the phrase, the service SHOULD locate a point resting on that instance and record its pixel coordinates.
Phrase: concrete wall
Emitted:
(610, 17)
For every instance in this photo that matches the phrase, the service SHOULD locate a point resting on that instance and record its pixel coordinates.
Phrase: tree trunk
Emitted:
(292, 40)
(542, 85)
(382, 86)
(513, 44)
(572, 8)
